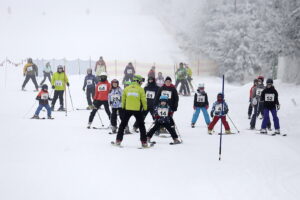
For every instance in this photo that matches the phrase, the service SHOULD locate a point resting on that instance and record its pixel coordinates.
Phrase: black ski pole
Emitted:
(220, 144)
(233, 123)
(29, 109)
(70, 98)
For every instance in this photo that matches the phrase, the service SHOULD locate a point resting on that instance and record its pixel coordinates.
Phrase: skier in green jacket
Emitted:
(59, 82)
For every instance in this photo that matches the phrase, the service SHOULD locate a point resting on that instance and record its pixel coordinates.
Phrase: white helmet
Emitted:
(201, 85)
(103, 74)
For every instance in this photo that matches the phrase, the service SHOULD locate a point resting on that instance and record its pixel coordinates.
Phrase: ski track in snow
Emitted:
(61, 159)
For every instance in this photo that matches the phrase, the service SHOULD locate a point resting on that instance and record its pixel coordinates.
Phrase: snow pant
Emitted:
(46, 75)
(97, 105)
(255, 115)
(40, 107)
(157, 126)
(216, 119)
(33, 78)
(114, 115)
(266, 119)
(58, 94)
(250, 108)
(197, 112)
(145, 113)
(184, 87)
(260, 109)
(140, 120)
(189, 80)
(90, 93)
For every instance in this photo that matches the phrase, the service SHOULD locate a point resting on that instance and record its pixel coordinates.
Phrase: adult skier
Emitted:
(189, 76)
(181, 75)
(47, 73)
(59, 82)
(151, 90)
(160, 80)
(250, 108)
(101, 97)
(270, 100)
(89, 87)
(163, 115)
(30, 71)
(200, 104)
(115, 101)
(151, 73)
(43, 98)
(129, 73)
(133, 99)
(218, 113)
(100, 67)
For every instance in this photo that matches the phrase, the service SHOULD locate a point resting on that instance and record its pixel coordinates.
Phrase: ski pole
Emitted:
(233, 123)
(220, 144)
(100, 118)
(29, 109)
(71, 98)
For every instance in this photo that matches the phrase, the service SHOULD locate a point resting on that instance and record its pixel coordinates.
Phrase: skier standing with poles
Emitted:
(47, 73)
(89, 87)
(30, 71)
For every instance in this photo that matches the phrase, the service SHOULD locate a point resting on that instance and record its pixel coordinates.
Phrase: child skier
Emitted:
(43, 98)
(59, 82)
(101, 97)
(217, 113)
(89, 83)
(269, 96)
(200, 103)
(115, 101)
(162, 115)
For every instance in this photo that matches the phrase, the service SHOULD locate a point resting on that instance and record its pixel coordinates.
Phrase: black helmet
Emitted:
(220, 95)
(270, 81)
(45, 87)
(29, 60)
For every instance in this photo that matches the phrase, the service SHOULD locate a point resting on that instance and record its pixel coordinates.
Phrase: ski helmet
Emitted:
(138, 78)
(103, 76)
(29, 60)
(89, 70)
(115, 81)
(270, 81)
(163, 98)
(45, 87)
(261, 78)
(201, 85)
(255, 81)
(220, 96)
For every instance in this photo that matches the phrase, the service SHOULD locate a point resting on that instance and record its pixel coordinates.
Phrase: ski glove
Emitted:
(83, 89)
(53, 87)
(212, 114)
(278, 106)
(68, 84)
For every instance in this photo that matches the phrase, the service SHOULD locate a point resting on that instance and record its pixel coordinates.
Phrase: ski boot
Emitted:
(61, 108)
(176, 141)
(252, 128)
(227, 132)
(49, 117)
(249, 116)
(114, 129)
(263, 131)
(89, 125)
(193, 125)
(135, 129)
(209, 131)
(269, 129)
(36, 90)
(35, 117)
(145, 145)
(23, 89)
(127, 131)
(277, 131)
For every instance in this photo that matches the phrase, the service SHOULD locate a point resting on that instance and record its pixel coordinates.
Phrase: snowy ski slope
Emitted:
(61, 159)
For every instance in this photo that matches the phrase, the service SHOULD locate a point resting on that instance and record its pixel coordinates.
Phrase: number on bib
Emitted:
(258, 91)
(89, 82)
(218, 108)
(45, 96)
(102, 87)
(166, 93)
(58, 83)
(269, 97)
(129, 71)
(29, 69)
(115, 98)
(200, 98)
(162, 112)
(150, 94)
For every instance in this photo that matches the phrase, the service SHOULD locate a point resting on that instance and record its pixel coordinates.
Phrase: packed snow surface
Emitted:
(61, 159)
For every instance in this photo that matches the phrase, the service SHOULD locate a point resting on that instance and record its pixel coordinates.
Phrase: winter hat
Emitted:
(168, 78)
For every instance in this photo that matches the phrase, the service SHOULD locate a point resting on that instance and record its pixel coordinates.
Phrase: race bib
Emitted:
(200, 98)
(166, 93)
(45, 96)
(58, 83)
(29, 69)
(269, 97)
(150, 94)
(129, 71)
(89, 82)
(258, 91)
(102, 87)
(163, 112)
(218, 108)
(115, 98)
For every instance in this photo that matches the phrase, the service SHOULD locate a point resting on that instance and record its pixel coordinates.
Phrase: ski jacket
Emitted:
(30, 69)
(59, 81)
(251, 91)
(160, 81)
(200, 99)
(100, 67)
(101, 91)
(47, 69)
(89, 81)
(163, 114)
(171, 93)
(181, 73)
(115, 97)
(151, 73)
(217, 108)
(151, 92)
(189, 72)
(129, 70)
(270, 98)
(256, 93)
(134, 98)
(43, 97)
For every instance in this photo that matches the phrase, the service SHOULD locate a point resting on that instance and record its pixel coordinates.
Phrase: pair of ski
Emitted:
(271, 134)
(41, 118)
(151, 144)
